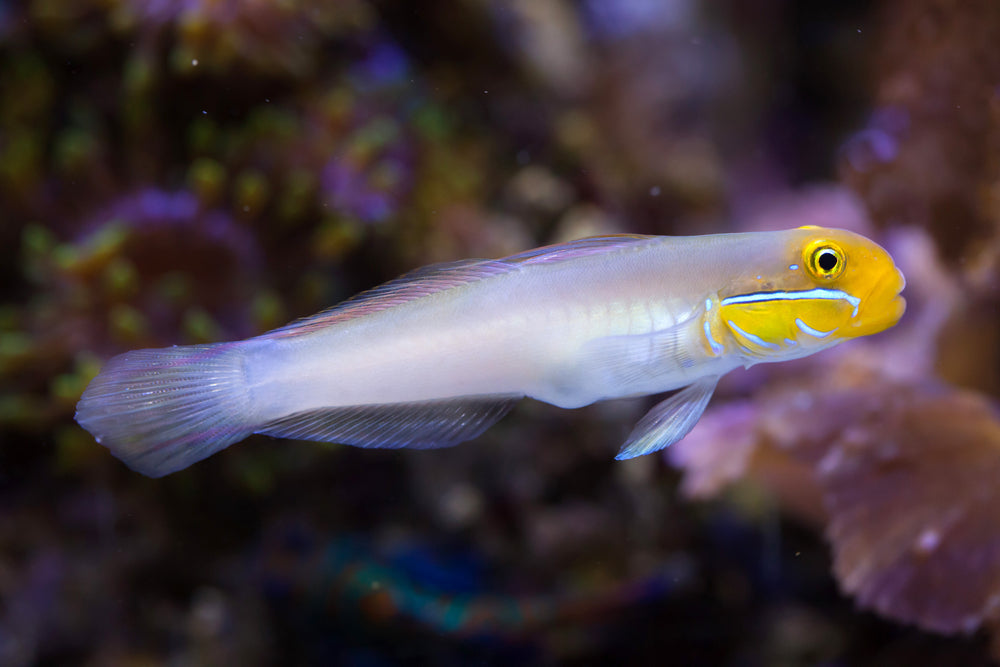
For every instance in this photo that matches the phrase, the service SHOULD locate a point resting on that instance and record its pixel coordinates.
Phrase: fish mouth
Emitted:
(895, 310)
(884, 306)
(897, 306)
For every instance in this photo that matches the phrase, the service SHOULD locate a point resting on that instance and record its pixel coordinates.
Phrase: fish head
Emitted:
(817, 288)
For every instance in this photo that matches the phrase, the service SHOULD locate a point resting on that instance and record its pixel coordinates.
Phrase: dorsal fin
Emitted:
(440, 277)
(413, 285)
(592, 245)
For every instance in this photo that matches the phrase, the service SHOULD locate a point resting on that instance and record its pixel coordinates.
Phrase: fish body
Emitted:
(438, 355)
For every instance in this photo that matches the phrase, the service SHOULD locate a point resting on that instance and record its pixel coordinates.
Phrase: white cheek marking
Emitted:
(790, 342)
(751, 337)
(717, 349)
(817, 293)
(793, 267)
(805, 328)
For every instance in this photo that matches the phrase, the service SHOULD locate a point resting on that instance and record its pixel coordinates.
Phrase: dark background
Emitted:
(175, 172)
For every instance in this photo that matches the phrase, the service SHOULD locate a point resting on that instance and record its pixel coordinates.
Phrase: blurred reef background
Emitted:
(183, 171)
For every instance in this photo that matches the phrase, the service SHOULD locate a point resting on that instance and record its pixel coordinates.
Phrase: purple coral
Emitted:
(152, 211)
(349, 189)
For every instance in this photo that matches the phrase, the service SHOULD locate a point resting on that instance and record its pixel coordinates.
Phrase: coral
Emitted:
(897, 467)
(900, 474)
(267, 37)
(928, 154)
(442, 593)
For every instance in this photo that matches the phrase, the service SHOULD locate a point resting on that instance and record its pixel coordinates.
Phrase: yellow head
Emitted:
(819, 288)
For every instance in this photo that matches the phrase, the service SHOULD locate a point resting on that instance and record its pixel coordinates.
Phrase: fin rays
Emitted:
(161, 410)
(670, 420)
(423, 425)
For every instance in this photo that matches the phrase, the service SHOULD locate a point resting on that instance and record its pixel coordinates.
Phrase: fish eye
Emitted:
(825, 261)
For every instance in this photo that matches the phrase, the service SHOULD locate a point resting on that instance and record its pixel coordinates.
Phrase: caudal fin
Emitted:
(159, 411)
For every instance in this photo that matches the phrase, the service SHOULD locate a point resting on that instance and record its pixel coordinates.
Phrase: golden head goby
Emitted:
(437, 356)
(835, 285)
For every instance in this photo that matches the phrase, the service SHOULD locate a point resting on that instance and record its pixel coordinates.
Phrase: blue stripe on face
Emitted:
(751, 337)
(805, 328)
(817, 293)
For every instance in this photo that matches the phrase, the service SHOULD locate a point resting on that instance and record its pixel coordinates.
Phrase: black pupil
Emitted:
(827, 260)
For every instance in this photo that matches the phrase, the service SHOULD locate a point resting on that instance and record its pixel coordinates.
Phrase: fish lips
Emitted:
(883, 307)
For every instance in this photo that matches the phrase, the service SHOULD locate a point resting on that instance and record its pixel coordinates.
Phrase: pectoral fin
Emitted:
(670, 420)
(636, 359)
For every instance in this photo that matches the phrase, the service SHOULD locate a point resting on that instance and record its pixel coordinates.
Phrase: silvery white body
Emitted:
(537, 331)
(437, 356)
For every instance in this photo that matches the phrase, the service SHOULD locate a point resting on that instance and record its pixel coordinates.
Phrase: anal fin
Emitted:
(670, 420)
(418, 425)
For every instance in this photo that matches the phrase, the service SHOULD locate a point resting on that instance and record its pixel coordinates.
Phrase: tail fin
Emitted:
(159, 411)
